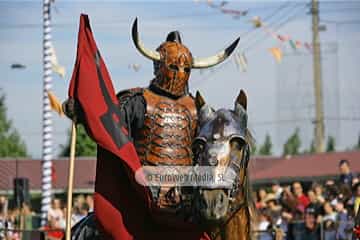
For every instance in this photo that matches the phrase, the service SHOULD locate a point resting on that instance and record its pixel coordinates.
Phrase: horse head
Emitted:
(222, 143)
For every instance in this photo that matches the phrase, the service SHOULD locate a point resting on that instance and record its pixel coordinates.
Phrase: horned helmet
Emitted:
(173, 61)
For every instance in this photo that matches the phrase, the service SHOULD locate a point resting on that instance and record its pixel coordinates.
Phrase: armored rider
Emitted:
(162, 119)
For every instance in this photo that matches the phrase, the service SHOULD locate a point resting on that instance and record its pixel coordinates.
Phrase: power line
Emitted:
(258, 40)
(277, 11)
(109, 23)
(340, 9)
(255, 123)
(267, 18)
(305, 120)
(341, 22)
(277, 27)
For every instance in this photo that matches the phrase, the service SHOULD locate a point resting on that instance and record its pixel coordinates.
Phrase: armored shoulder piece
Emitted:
(124, 95)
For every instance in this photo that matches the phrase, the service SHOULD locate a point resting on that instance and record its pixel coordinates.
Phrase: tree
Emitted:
(311, 149)
(11, 144)
(85, 146)
(358, 144)
(330, 145)
(265, 149)
(292, 145)
(253, 149)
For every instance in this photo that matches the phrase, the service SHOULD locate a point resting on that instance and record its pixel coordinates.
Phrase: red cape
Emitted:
(122, 207)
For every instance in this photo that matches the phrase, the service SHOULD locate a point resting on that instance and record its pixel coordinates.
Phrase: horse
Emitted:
(223, 142)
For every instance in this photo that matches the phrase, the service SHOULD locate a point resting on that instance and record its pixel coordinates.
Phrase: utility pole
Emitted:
(319, 112)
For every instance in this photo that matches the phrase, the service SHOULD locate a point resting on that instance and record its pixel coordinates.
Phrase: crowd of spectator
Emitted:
(26, 219)
(321, 211)
(317, 211)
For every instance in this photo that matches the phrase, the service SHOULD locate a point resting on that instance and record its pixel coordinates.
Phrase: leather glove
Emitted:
(72, 109)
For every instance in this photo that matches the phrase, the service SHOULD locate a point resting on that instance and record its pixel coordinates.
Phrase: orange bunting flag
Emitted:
(277, 53)
(55, 103)
(298, 44)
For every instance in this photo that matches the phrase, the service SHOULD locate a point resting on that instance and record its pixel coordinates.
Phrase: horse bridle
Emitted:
(235, 190)
(236, 165)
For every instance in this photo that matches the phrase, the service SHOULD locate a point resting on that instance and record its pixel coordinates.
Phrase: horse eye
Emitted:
(198, 145)
(237, 142)
(174, 67)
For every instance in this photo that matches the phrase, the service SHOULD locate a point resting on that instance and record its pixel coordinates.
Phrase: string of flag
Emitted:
(257, 23)
(55, 103)
(56, 67)
(239, 57)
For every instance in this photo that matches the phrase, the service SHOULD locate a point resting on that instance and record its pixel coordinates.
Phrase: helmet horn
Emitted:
(155, 56)
(215, 59)
(197, 62)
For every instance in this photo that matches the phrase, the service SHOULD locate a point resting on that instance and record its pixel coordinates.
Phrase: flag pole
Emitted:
(70, 181)
(46, 184)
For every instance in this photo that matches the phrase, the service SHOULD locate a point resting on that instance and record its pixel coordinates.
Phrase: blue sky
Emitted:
(204, 30)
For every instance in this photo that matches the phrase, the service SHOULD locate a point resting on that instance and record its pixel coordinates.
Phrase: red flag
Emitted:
(92, 87)
(121, 205)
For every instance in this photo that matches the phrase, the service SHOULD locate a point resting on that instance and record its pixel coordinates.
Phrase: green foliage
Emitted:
(253, 149)
(265, 149)
(330, 145)
(358, 144)
(311, 149)
(11, 144)
(293, 144)
(85, 146)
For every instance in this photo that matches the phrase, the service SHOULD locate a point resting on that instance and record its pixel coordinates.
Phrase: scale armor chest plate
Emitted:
(169, 128)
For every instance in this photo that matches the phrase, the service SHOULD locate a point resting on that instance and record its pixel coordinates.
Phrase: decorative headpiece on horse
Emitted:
(223, 143)
(173, 61)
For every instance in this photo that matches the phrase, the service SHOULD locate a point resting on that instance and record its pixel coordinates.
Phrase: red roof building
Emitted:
(307, 167)
(262, 170)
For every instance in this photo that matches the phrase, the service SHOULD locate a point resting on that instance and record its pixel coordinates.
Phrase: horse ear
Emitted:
(199, 100)
(240, 108)
(242, 99)
(205, 112)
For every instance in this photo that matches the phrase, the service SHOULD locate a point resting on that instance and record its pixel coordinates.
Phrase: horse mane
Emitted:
(251, 211)
(249, 138)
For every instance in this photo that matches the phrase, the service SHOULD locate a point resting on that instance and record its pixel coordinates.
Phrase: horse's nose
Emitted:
(221, 205)
(213, 157)
(221, 197)
(213, 161)
(215, 204)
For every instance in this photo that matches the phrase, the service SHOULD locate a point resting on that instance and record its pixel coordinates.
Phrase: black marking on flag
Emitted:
(114, 128)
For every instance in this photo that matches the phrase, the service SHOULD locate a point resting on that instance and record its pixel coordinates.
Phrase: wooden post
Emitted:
(70, 182)
(319, 112)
